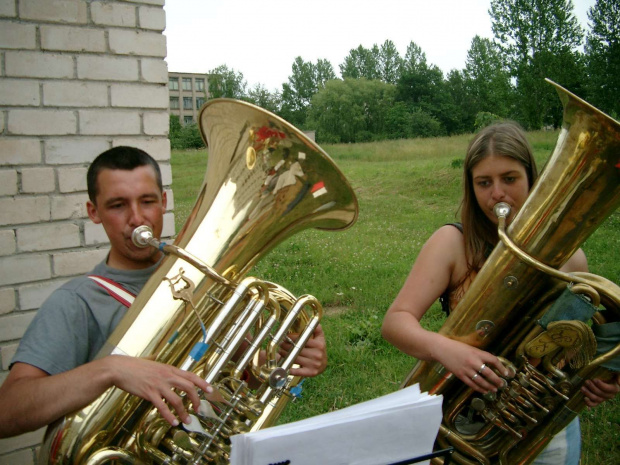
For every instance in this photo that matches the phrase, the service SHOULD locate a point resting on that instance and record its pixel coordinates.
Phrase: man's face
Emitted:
(125, 200)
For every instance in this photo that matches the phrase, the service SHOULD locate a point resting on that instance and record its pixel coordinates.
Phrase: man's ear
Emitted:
(164, 200)
(91, 209)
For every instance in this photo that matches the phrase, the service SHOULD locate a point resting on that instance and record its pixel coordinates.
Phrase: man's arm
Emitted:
(31, 399)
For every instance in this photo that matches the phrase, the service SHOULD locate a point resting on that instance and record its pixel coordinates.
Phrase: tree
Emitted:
(224, 82)
(259, 95)
(539, 39)
(305, 81)
(390, 63)
(486, 79)
(603, 56)
(361, 63)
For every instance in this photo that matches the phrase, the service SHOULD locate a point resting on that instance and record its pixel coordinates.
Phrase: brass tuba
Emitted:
(515, 306)
(199, 311)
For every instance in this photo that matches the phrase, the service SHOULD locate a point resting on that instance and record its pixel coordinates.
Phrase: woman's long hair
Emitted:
(505, 138)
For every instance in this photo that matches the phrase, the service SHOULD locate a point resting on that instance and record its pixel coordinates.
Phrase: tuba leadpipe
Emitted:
(520, 287)
(200, 311)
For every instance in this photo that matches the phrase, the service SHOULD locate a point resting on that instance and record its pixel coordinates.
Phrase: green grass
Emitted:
(406, 189)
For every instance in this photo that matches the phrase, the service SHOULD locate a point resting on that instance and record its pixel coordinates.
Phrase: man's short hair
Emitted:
(119, 158)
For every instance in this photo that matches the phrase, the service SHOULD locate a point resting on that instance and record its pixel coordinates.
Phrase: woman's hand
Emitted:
(476, 368)
(597, 390)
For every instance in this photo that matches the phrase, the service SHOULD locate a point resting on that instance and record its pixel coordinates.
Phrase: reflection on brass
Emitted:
(577, 190)
(265, 181)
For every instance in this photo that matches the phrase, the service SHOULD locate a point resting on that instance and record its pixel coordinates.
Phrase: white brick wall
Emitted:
(77, 77)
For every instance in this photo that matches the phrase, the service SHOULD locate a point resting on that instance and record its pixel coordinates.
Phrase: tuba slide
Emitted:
(551, 329)
(200, 311)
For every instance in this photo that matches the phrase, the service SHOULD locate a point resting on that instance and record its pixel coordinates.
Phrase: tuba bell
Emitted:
(552, 330)
(199, 311)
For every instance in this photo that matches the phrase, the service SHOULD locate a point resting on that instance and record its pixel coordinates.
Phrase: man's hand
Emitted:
(312, 359)
(156, 382)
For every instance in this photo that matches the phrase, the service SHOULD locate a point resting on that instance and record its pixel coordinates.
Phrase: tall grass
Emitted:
(406, 189)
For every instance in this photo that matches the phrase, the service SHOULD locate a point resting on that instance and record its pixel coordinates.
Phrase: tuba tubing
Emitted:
(577, 190)
(265, 181)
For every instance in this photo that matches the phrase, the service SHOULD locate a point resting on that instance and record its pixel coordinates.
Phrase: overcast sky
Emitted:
(262, 39)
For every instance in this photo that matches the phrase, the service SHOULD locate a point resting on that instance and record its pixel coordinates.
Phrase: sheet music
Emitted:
(395, 427)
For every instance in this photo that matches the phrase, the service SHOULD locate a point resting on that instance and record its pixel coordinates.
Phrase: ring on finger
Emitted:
(484, 365)
(474, 377)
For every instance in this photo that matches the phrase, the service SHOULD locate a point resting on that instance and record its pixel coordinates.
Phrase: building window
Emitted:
(187, 83)
(174, 103)
(200, 85)
(188, 119)
(200, 101)
(173, 83)
(187, 103)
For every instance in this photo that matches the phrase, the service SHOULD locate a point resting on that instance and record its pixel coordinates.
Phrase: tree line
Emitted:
(382, 95)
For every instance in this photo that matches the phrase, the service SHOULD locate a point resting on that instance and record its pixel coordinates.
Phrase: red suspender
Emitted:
(115, 290)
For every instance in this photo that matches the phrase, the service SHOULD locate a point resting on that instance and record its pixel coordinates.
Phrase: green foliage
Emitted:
(184, 137)
(484, 118)
(406, 189)
(224, 82)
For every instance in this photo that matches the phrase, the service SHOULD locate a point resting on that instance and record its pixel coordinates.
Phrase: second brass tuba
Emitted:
(199, 311)
(514, 307)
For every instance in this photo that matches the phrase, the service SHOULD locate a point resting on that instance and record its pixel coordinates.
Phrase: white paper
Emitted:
(392, 428)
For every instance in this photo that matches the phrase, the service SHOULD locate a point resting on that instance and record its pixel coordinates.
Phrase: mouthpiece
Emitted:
(501, 210)
(141, 236)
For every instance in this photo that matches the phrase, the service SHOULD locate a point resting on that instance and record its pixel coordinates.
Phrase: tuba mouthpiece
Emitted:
(501, 209)
(141, 236)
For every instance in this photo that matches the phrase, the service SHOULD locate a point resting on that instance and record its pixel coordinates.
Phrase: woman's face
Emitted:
(497, 178)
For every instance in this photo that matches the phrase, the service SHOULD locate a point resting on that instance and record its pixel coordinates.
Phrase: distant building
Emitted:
(188, 92)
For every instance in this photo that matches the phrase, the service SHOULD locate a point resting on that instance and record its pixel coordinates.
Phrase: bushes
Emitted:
(184, 137)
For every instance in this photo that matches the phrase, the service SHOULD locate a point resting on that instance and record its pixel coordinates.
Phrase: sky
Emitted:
(262, 39)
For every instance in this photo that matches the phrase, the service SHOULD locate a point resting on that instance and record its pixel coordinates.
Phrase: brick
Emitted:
(69, 206)
(13, 326)
(169, 199)
(48, 237)
(1, 123)
(19, 151)
(19, 92)
(38, 65)
(137, 43)
(18, 36)
(168, 229)
(7, 242)
(8, 182)
(139, 96)
(24, 268)
(7, 300)
(152, 18)
(20, 457)
(80, 262)
(32, 296)
(113, 14)
(42, 122)
(166, 174)
(24, 210)
(22, 441)
(151, 2)
(104, 122)
(38, 180)
(104, 68)
(62, 11)
(7, 9)
(72, 179)
(7, 353)
(156, 124)
(158, 148)
(94, 234)
(72, 39)
(73, 150)
(154, 70)
(75, 94)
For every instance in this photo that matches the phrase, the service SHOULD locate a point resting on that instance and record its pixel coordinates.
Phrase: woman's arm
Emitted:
(433, 272)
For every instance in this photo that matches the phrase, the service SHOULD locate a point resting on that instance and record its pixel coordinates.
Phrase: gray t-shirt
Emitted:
(75, 321)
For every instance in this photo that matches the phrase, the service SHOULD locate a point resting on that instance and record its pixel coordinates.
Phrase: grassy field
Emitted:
(406, 189)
